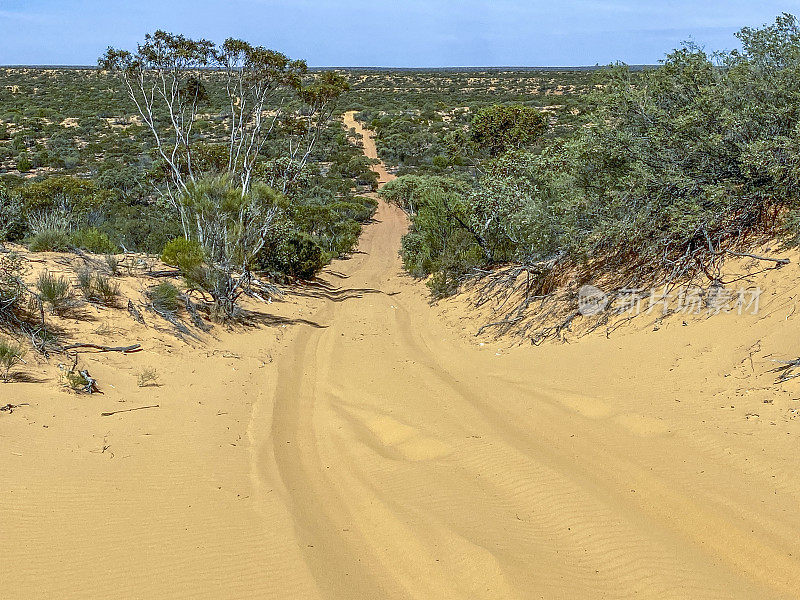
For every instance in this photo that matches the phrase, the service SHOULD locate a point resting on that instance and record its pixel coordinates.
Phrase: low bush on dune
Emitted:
(57, 240)
(164, 297)
(297, 256)
(15, 297)
(113, 264)
(84, 280)
(93, 240)
(104, 290)
(187, 255)
(50, 241)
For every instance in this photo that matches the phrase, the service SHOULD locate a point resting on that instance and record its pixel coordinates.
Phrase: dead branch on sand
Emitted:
(123, 349)
(786, 370)
(116, 412)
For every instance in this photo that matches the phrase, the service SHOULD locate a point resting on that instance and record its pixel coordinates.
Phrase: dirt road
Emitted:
(414, 466)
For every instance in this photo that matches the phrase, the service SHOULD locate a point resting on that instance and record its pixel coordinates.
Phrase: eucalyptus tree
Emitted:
(270, 99)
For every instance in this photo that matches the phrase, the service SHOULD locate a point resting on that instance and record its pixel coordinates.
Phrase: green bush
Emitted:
(343, 239)
(440, 239)
(105, 291)
(50, 241)
(409, 191)
(11, 354)
(11, 287)
(62, 191)
(75, 380)
(187, 255)
(12, 221)
(297, 256)
(84, 281)
(164, 297)
(440, 161)
(93, 240)
(670, 167)
(53, 290)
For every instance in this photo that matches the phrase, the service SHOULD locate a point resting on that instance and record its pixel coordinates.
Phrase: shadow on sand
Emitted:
(259, 319)
(326, 291)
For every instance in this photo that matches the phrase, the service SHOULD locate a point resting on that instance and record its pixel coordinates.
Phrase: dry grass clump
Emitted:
(113, 264)
(54, 291)
(148, 377)
(98, 288)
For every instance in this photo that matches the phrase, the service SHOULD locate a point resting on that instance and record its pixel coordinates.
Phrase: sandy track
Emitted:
(415, 466)
(385, 454)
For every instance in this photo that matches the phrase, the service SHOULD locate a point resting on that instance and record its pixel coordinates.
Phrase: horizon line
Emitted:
(380, 68)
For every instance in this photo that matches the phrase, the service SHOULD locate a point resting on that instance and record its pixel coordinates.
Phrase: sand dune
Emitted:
(381, 450)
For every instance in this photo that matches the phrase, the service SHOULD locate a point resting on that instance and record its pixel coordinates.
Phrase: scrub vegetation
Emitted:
(666, 172)
(240, 165)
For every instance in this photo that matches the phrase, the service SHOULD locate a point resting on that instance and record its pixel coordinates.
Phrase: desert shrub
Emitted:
(50, 241)
(440, 161)
(333, 224)
(74, 380)
(409, 191)
(53, 290)
(498, 128)
(164, 297)
(187, 255)
(96, 287)
(298, 255)
(75, 195)
(105, 291)
(11, 287)
(11, 354)
(24, 164)
(674, 165)
(84, 281)
(93, 240)
(442, 284)
(440, 237)
(55, 218)
(342, 238)
(141, 228)
(12, 221)
(233, 225)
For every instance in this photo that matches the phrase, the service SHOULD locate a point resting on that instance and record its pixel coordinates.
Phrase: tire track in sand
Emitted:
(408, 470)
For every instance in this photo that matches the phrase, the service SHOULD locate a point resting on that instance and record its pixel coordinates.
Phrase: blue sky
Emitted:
(414, 33)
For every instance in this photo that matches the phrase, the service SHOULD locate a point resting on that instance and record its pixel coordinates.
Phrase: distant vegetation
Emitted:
(419, 116)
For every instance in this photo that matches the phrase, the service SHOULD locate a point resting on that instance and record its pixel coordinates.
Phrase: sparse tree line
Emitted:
(672, 169)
